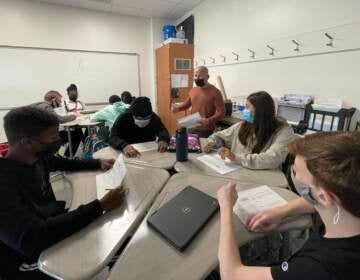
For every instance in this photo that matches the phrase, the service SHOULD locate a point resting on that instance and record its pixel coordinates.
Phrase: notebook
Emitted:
(181, 219)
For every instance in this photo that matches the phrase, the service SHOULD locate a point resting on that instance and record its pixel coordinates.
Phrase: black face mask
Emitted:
(200, 82)
(73, 98)
(51, 148)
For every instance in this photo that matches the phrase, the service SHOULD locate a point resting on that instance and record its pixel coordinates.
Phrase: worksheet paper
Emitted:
(179, 80)
(192, 120)
(219, 165)
(146, 146)
(112, 178)
(254, 200)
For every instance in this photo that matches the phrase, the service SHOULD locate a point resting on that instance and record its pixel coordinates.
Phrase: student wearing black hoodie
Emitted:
(138, 124)
(31, 219)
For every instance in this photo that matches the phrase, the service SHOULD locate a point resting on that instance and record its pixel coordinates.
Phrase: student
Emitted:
(326, 175)
(138, 124)
(260, 141)
(31, 218)
(111, 112)
(127, 98)
(205, 99)
(52, 102)
(114, 98)
(74, 104)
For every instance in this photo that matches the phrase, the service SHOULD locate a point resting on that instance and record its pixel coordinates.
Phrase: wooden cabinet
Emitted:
(172, 59)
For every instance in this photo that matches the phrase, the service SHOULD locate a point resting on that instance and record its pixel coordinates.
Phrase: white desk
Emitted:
(87, 252)
(80, 121)
(272, 178)
(148, 256)
(150, 158)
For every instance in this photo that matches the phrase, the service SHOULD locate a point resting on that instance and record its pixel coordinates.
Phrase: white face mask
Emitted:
(141, 123)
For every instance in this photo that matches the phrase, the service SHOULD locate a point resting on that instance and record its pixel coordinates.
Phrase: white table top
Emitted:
(81, 120)
(272, 178)
(148, 256)
(87, 252)
(150, 158)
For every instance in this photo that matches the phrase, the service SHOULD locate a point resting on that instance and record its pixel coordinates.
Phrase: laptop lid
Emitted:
(181, 219)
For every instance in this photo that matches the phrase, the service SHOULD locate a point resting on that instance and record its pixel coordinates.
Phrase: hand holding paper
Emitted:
(254, 200)
(112, 178)
(215, 162)
(193, 120)
(145, 146)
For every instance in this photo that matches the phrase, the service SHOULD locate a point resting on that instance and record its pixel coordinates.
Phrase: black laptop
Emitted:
(181, 218)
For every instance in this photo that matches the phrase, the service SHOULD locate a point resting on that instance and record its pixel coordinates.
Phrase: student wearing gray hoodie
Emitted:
(52, 102)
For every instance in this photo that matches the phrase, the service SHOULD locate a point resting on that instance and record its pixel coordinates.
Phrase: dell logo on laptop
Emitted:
(186, 210)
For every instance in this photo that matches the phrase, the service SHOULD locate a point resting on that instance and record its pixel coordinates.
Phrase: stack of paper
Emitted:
(112, 178)
(146, 146)
(215, 162)
(190, 121)
(254, 200)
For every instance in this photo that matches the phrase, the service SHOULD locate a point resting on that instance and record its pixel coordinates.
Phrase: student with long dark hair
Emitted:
(260, 141)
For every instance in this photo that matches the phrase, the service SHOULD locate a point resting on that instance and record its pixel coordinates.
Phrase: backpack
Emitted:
(92, 144)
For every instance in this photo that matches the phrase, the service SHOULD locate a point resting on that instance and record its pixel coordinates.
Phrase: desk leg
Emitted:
(70, 143)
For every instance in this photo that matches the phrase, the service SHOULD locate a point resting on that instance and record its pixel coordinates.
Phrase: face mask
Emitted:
(141, 123)
(248, 116)
(200, 82)
(303, 189)
(51, 148)
(73, 98)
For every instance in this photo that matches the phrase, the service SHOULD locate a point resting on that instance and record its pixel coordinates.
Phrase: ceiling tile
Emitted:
(72, 3)
(96, 5)
(120, 9)
(170, 9)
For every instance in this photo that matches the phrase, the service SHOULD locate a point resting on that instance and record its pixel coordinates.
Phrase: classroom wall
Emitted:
(27, 23)
(156, 25)
(233, 25)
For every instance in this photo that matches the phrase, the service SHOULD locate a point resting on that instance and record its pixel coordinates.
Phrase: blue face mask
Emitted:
(248, 116)
(303, 189)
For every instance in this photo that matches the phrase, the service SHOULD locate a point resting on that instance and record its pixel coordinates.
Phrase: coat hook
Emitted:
(272, 50)
(236, 56)
(223, 57)
(331, 40)
(297, 49)
(212, 59)
(252, 53)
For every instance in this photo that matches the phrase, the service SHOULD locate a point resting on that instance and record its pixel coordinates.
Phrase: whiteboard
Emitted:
(26, 74)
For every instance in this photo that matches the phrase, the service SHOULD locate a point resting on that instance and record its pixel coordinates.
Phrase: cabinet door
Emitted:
(165, 66)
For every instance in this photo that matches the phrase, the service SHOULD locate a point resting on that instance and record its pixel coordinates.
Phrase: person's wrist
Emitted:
(282, 212)
(226, 208)
(102, 205)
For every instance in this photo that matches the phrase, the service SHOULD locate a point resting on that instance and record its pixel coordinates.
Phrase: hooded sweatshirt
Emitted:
(110, 113)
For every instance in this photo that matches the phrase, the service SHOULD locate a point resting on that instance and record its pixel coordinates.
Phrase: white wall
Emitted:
(156, 39)
(223, 26)
(27, 23)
